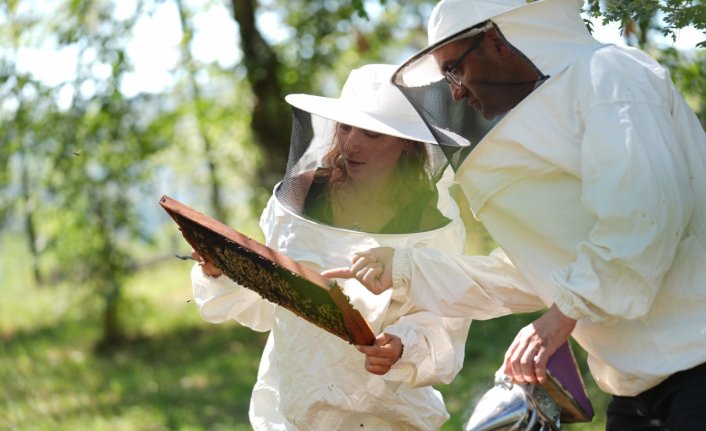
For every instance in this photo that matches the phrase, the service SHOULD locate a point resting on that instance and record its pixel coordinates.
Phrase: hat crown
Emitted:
(451, 17)
(369, 89)
(369, 101)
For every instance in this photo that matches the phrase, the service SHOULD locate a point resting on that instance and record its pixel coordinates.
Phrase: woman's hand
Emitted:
(383, 354)
(207, 267)
(372, 268)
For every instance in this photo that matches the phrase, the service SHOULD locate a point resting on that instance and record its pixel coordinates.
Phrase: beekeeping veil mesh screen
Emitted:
(364, 161)
(460, 93)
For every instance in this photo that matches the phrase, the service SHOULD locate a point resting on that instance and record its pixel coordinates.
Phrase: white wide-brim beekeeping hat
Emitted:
(451, 18)
(369, 101)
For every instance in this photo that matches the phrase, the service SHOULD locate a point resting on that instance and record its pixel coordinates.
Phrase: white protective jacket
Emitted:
(312, 380)
(595, 188)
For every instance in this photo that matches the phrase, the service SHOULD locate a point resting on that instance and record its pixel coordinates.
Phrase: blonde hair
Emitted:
(412, 170)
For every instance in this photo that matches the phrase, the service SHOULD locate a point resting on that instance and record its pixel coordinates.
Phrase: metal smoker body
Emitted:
(514, 407)
(524, 407)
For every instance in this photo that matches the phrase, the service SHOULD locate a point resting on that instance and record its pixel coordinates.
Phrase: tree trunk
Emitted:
(29, 222)
(271, 117)
(112, 331)
(108, 275)
(219, 211)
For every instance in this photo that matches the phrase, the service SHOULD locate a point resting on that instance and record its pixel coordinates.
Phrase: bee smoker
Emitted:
(525, 407)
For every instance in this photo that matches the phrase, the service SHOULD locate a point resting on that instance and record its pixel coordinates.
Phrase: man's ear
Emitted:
(495, 40)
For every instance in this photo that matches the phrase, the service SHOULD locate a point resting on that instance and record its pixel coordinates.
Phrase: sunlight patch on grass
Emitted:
(166, 286)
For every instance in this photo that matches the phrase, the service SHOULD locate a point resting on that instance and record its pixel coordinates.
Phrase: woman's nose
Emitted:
(353, 140)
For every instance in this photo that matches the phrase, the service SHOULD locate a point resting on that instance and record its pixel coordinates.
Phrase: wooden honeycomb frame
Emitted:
(271, 274)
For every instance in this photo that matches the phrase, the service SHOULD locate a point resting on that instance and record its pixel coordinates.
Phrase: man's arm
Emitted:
(451, 285)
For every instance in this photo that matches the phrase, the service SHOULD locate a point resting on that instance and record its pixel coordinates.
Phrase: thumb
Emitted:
(383, 339)
(338, 273)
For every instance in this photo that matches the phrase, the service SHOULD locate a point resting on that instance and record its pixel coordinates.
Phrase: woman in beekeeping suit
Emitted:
(362, 172)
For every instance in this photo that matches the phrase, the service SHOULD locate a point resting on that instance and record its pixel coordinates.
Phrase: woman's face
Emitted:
(368, 155)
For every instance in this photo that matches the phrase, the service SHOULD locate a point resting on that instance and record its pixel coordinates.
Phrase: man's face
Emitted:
(491, 80)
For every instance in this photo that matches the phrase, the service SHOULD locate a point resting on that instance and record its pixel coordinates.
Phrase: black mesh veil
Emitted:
(484, 91)
(360, 179)
(456, 127)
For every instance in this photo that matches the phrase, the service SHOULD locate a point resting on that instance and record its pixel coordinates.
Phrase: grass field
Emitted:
(175, 372)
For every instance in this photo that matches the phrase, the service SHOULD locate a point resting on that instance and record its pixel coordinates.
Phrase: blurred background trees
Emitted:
(86, 154)
(85, 159)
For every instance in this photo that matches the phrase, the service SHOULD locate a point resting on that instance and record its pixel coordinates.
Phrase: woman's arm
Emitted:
(433, 348)
(220, 299)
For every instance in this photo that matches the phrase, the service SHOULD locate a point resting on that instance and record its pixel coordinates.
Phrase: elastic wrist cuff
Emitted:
(564, 303)
(400, 268)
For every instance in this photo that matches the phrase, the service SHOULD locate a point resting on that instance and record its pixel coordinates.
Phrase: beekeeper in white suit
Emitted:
(592, 180)
(367, 144)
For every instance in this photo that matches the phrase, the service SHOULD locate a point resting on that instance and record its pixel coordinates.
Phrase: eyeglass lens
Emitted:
(449, 72)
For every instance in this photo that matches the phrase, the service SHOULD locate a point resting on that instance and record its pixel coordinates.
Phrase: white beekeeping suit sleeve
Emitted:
(433, 350)
(220, 299)
(454, 285)
(636, 182)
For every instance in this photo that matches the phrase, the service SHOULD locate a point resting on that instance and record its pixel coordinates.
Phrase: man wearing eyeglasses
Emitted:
(479, 68)
(588, 169)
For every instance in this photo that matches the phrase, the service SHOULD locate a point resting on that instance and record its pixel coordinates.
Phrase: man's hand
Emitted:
(383, 354)
(207, 267)
(526, 359)
(372, 268)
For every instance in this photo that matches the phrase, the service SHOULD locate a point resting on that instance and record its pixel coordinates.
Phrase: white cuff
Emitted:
(401, 269)
(405, 369)
(565, 303)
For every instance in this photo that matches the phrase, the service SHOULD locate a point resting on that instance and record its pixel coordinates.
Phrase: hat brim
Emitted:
(396, 79)
(336, 110)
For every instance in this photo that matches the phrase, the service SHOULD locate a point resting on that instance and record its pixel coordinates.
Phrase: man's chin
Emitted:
(488, 115)
(491, 114)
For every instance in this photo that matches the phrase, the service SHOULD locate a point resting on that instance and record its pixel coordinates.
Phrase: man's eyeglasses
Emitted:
(452, 79)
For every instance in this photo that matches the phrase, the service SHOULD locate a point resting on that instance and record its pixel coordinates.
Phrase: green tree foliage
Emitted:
(689, 75)
(199, 113)
(674, 14)
(641, 20)
(326, 39)
(77, 158)
(80, 164)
